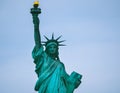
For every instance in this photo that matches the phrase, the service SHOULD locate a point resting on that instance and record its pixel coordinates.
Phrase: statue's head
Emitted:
(52, 46)
(52, 49)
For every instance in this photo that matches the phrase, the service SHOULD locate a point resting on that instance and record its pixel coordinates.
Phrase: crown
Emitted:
(53, 41)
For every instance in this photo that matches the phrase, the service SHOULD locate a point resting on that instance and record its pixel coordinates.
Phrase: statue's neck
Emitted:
(52, 56)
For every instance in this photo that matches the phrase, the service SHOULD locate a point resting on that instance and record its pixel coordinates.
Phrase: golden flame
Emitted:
(36, 2)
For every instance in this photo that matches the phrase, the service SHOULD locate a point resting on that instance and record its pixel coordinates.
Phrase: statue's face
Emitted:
(52, 49)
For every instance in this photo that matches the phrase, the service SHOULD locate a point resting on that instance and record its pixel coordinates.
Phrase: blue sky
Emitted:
(91, 29)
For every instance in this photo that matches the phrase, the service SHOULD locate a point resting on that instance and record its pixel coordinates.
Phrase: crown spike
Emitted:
(61, 41)
(62, 45)
(46, 37)
(52, 36)
(59, 37)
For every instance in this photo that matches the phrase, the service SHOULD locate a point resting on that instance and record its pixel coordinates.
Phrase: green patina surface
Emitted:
(52, 77)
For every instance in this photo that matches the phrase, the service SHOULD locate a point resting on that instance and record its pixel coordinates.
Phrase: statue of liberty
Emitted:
(52, 77)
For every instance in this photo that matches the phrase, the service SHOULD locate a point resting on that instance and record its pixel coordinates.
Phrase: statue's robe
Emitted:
(52, 77)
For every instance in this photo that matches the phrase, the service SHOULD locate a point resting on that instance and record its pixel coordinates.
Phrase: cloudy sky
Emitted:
(91, 29)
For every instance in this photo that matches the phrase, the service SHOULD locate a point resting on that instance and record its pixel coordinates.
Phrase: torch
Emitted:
(35, 11)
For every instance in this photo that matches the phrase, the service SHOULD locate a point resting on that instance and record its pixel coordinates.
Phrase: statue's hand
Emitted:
(77, 83)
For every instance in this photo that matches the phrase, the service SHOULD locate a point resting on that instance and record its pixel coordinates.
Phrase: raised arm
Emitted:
(35, 11)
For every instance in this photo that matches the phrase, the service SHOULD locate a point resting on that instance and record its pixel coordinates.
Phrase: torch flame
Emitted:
(36, 2)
